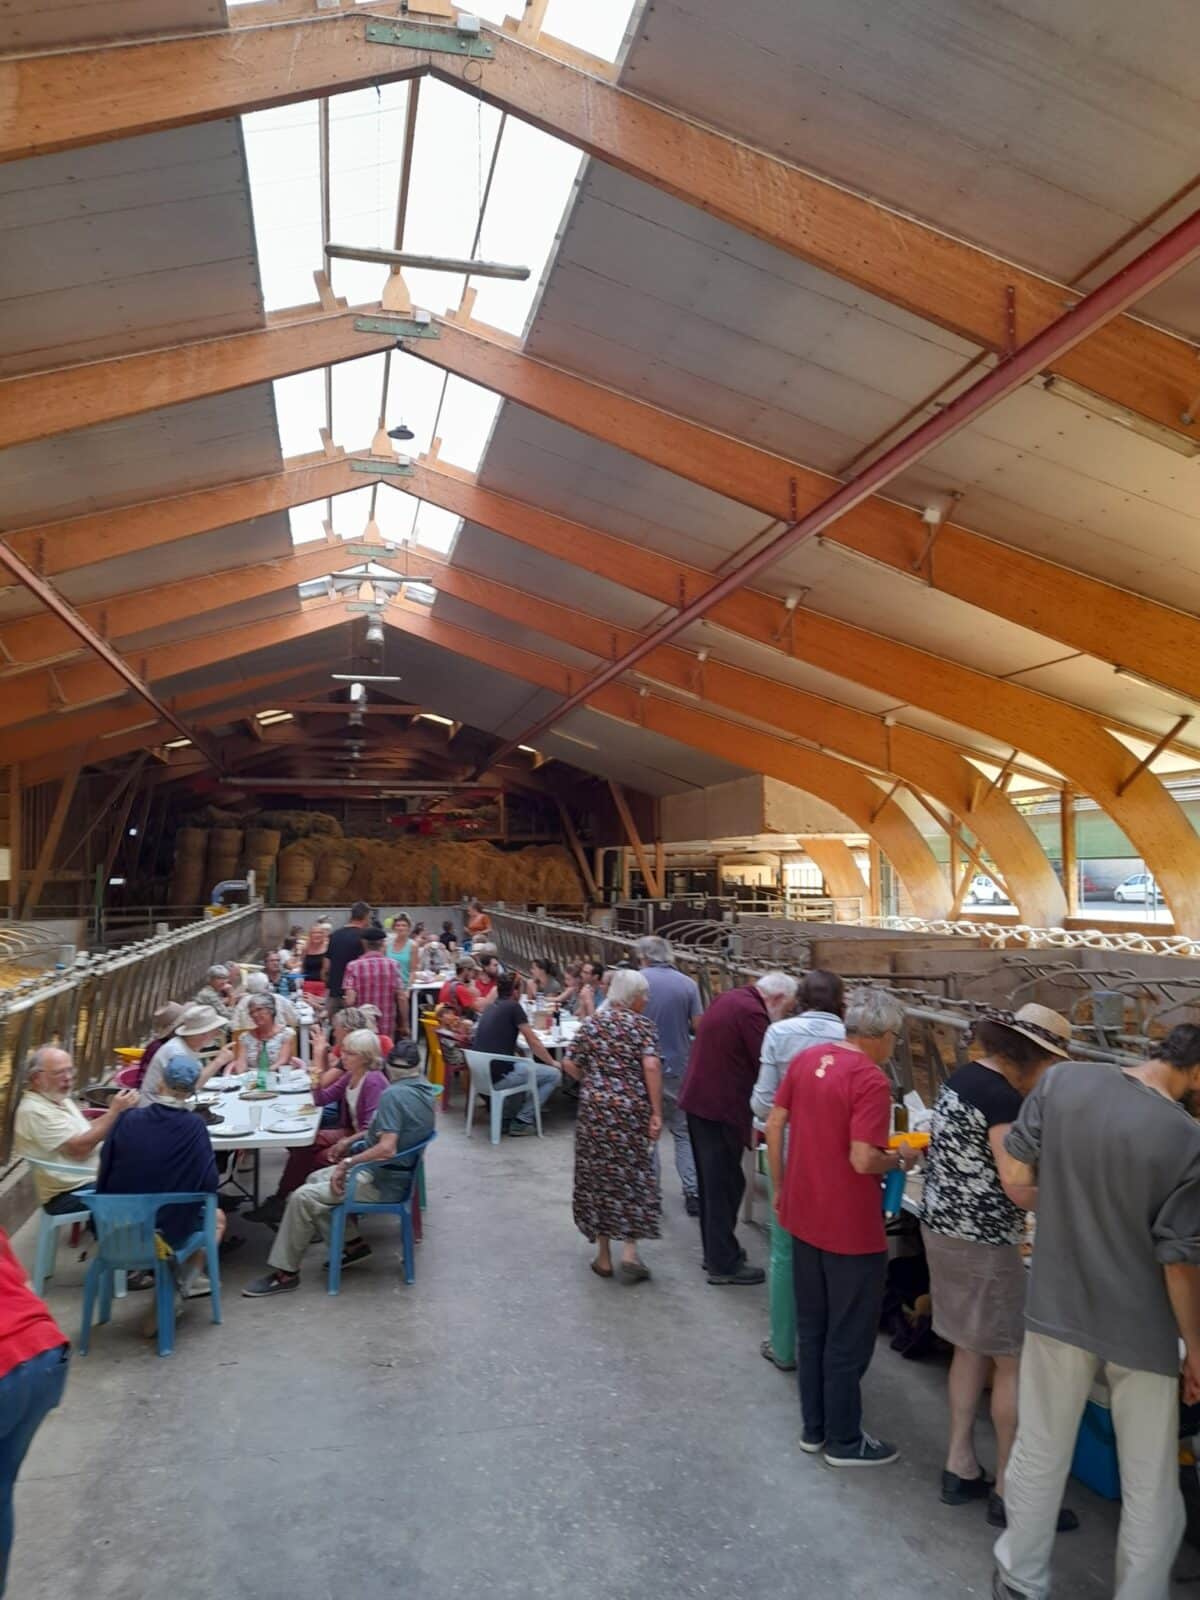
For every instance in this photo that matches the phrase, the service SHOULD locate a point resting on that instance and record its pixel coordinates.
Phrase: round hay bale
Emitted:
(190, 844)
(263, 841)
(187, 884)
(297, 865)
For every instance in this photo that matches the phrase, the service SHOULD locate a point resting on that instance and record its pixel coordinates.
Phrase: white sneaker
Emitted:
(196, 1288)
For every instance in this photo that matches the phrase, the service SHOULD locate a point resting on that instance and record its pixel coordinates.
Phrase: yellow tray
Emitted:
(128, 1052)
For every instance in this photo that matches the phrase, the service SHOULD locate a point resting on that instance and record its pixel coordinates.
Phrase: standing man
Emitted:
(716, 1099)
(345, 946)
(837, 1103)
(1115, 1155)
(373, 979)
(49, 1126)
(821, 1007)
(674, 1007)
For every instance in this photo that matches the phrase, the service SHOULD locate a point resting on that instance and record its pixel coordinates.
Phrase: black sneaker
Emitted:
(1067, 1520)
(522, 1130)
(356, 1250)
(812, 1441)
(273, 1283)
(958, 1491)
(691, 1204)
(866, 1452)
(743, 1275)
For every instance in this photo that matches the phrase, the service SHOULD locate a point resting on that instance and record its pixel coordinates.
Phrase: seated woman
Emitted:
(267, 1042)
(162, 1028)
(327, 1053)
(356, 1092)
(545, 979)
(259, 983)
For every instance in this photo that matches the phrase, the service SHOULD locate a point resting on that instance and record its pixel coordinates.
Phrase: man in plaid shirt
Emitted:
(373, 979)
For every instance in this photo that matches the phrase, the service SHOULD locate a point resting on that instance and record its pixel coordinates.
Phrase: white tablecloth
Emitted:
(248, 1124)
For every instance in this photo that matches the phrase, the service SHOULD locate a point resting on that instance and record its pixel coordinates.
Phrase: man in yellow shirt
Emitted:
(49, 1126)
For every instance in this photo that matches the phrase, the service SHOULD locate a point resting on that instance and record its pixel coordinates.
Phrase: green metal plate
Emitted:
(372, 552)
(383, 469)
(412, 36)
(400, 327)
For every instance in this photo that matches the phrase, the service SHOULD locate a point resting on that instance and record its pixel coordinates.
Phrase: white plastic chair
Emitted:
(51, 1224)
(480, 1063)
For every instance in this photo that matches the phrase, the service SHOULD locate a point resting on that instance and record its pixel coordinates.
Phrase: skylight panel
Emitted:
(598, 29)
(283, 160)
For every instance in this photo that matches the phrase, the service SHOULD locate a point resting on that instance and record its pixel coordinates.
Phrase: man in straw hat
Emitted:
(973, 1226)
(1115, 1155)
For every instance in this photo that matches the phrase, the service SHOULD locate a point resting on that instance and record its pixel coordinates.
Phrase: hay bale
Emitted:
(263, 842)
(190, 844)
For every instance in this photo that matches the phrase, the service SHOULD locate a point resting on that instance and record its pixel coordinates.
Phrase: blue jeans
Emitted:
(548, 1079)
(27, 1394)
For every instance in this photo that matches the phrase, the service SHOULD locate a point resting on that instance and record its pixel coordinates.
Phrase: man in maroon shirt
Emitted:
(836, 1105)
(721, 1074)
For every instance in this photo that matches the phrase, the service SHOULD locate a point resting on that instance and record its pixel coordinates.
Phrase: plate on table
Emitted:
(289, 1125)
(260, 1094)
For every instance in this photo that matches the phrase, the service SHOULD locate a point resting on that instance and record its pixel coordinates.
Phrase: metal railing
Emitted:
(107, 1000)
(935, 1037)
(1009, 935)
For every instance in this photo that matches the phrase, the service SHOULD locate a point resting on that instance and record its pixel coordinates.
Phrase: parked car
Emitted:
(1139, 886)
(984, 892)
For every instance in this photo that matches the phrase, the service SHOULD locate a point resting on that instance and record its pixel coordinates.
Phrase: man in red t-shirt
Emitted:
(835, 1105)
(33, 1373)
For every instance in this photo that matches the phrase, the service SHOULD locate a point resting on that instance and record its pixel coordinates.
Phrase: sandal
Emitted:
(601, 1272)
(634, 1272)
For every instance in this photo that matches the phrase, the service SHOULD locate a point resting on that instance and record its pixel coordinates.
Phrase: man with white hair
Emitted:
(837, 1102)
(216, 992)
(49, 1126)
(674, 1006)
(716, 1098)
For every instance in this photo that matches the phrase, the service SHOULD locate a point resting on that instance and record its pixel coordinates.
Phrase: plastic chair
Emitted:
(51, 1224)
(128, 1241)
(480, 1064)
(352, 1207)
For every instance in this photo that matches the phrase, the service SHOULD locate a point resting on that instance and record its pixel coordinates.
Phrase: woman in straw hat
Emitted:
(972, 1224)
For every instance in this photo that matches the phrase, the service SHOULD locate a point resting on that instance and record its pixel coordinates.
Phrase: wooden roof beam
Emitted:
(1081, 612)
(60, 100)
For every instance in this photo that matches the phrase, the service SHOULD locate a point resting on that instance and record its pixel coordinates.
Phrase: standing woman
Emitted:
(479, 924)
(615, 1058)
(315, 948)
(972, 1224)
(400, 947)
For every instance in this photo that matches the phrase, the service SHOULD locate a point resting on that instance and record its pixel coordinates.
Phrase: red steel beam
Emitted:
(67, 614)
(1163, 259)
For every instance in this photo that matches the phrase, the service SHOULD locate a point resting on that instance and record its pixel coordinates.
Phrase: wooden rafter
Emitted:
(61, 100)
(45, 860)
(650, 877)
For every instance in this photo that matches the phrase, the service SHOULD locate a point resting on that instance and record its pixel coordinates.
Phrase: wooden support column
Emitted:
(586, 875)
(838, 868)
(1070, 862)
(120, 823)
(45, 860)
(14, 840)
(660, 869)
(875, 884)
(955, 868)
(653, 884)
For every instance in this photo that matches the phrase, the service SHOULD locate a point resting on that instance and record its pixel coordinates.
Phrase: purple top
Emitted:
(373, 1085)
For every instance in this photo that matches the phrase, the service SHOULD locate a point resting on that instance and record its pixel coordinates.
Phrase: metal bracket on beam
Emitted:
(413, 36)
(399, 327)
(383, 469)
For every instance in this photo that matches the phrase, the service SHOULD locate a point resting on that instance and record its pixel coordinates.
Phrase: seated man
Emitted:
(403, 1118)
(197, 1028)
(49, 1126)
(460, 990)
(162, 1148)
(217, 991)
(281, 978)
(498, 1029)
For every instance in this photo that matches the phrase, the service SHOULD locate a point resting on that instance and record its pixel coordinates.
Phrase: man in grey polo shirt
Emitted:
(1115, 1284)
(673, 1006)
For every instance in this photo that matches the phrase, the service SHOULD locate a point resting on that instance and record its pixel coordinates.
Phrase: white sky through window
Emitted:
(457, 138)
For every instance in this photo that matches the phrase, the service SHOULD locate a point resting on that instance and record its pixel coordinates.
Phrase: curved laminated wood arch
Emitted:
(836, 864)
(921, 760)
(846, 787)
(1071, 741)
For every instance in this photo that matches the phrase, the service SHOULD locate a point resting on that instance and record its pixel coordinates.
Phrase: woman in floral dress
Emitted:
(615, 1058)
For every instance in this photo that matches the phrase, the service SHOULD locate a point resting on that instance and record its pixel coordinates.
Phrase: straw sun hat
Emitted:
(1038, 1023)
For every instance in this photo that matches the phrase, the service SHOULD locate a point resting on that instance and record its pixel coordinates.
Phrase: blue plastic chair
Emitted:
(351, 1207)
(127, 1241)
(51, 1223)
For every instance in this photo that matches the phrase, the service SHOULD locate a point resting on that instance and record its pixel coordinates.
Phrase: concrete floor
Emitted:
(509, 1426)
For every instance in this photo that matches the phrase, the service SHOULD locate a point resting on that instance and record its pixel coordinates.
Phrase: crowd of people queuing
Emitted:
(1107, 1157)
